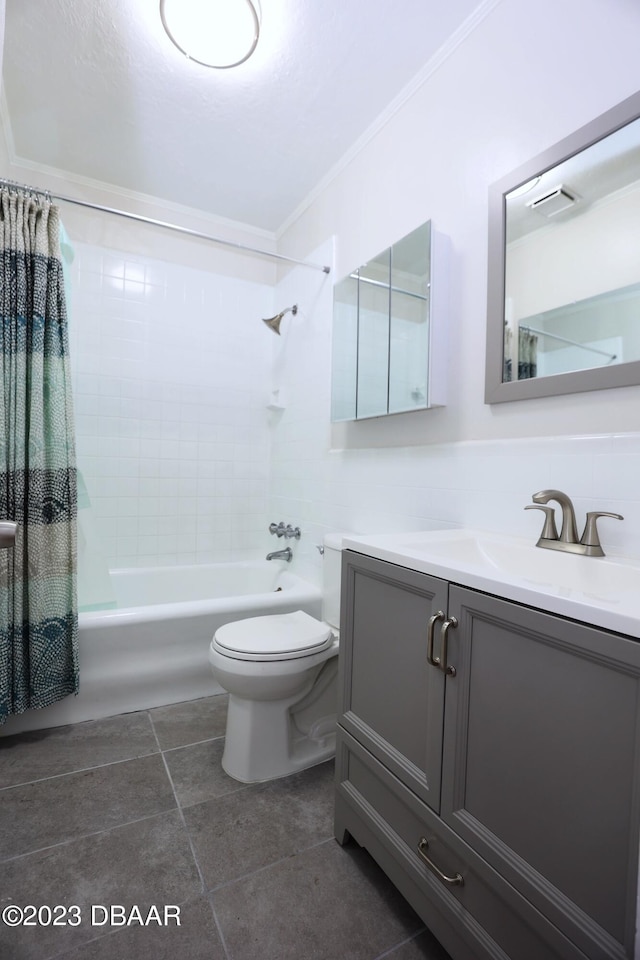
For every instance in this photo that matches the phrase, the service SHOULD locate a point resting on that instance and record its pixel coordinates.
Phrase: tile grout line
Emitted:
(109, 763)
(190, 842)
(396, 946)
(268, 866)
(184, 746)
(87, 836)
(71, 773)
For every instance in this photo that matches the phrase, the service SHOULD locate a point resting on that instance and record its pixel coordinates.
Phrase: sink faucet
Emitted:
(286, 554)
(568, 532)
(589, 543)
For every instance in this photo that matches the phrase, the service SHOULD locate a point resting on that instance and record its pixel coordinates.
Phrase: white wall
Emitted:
(522, 80)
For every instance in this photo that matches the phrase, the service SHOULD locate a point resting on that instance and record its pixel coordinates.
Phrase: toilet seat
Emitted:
(284, 636)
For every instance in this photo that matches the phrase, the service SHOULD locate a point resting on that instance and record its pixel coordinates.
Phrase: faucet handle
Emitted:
(549, 531)
(590, 537)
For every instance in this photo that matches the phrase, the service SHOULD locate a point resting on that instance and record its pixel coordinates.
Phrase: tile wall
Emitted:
(171, 370)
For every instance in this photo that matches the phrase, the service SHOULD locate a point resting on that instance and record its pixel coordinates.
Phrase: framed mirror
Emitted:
(563, 312)
(386, 350)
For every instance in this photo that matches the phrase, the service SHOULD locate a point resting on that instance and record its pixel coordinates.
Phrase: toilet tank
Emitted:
(331, 574)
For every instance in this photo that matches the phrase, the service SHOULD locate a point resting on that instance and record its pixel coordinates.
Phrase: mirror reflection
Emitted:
(564, 281)
(381, 332)
(572, 265)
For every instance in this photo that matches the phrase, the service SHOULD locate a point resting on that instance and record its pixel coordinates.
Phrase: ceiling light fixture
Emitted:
(214, 33)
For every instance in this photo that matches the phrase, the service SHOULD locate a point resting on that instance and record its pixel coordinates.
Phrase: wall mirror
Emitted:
(564, 265)
(385, 346)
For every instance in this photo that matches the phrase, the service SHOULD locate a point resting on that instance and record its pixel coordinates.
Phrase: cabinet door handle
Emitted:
(457, 880)
(434, 661)
(444, 637)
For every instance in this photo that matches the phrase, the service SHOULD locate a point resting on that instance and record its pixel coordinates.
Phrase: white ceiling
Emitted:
(94, 88)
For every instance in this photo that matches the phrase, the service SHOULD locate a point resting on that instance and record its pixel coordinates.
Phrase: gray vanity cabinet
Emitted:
(527, 848)
(387, 679)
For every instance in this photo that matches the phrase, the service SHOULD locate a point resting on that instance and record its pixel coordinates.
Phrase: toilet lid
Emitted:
(277, 637)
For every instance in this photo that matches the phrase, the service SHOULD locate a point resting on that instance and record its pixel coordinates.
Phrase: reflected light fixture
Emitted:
(214, 33)
(525, 188)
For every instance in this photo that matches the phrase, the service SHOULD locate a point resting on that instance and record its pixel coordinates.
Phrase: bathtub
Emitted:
(152, 649)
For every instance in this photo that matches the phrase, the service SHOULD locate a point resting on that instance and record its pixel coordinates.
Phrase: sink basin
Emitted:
(604, 591)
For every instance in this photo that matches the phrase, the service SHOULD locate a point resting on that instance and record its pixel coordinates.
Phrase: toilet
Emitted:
(281, 674)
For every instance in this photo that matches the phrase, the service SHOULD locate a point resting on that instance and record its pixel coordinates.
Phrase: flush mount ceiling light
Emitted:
(215, 33)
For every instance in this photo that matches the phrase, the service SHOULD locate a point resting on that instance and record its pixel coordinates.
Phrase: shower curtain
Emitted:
(527, 355)
(38, 605)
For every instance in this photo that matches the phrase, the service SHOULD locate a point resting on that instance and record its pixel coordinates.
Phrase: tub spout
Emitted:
(286, 554)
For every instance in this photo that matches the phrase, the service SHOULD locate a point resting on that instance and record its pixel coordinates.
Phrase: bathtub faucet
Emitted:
(286, 554)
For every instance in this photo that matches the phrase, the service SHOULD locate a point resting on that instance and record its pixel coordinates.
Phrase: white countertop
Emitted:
(602, 591)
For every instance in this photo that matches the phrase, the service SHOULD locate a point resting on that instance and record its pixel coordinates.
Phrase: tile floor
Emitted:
(136, 809)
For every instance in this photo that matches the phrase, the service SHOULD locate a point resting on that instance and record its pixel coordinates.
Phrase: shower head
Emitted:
(274, 322)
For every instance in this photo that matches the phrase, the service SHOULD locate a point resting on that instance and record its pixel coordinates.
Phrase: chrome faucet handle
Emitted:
(549, 531)
(290, 532)
(590, 538)
(277, 528)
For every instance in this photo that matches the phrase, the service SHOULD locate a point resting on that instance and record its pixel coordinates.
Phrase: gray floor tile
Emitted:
(324, 904)
(244, 831)
(180, 724)
(195, 939)
(51, 811)
(423, 947)
(197, 774)
(143, 863)
(78, 746)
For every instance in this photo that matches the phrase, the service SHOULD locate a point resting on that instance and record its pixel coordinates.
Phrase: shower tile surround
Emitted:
(254, 868)
(170, 388)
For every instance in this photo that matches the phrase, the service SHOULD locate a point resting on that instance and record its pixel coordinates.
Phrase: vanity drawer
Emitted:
(485, 915)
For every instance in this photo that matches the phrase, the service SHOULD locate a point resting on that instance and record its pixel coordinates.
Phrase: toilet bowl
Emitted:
(281, 676)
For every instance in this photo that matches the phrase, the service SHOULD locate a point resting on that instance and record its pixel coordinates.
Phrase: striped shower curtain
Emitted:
(38, 603)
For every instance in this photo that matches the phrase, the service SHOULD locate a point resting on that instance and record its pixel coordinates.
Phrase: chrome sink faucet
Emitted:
(589, 544)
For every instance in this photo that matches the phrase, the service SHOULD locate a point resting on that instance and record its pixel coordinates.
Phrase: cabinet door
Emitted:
(542, 761)
(392, 700)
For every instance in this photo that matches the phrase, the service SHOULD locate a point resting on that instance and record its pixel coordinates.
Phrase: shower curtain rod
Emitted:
(36, 191)
(574, 343)
(380, 283)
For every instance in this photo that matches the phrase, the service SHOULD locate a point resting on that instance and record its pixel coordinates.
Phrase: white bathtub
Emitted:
(153, 648)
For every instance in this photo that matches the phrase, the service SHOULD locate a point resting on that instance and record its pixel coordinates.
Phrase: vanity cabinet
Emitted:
(499, 788)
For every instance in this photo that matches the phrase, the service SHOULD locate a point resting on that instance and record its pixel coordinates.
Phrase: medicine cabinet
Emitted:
(388, 331)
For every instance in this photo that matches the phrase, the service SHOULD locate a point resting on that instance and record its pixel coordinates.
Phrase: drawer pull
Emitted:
(456, 881)
(444, 633)
(434, 661)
